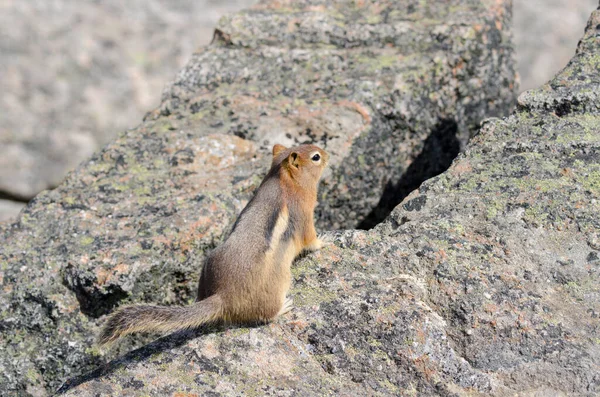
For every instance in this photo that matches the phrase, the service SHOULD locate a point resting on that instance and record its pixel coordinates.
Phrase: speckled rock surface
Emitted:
(390, 89)
(484, 281)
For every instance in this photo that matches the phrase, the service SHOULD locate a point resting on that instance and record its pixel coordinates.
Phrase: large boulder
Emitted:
(484, 281)
(391, 90)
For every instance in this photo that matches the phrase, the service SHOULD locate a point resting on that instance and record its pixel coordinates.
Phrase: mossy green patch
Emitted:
(86, 240)
(307, 296)
(373, 62)
(389, 387)
(100, 167)
(591, 182)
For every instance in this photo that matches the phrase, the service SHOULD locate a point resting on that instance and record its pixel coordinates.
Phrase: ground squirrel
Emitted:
(246, 279)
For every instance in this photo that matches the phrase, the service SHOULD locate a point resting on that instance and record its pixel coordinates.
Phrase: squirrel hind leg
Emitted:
(288, 305)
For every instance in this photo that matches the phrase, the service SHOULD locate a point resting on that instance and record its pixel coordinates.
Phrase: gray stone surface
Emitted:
(484, 281)
(391, 90)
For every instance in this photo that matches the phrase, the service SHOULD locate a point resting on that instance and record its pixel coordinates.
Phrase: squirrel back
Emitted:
(246, 278)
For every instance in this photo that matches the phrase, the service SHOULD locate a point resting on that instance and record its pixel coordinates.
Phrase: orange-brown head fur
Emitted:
(301, 169)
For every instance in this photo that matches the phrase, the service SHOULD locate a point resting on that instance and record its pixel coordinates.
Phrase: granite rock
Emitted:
(76, 73)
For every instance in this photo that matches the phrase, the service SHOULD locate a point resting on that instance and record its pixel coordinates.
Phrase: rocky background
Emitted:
(74, 74)
(484, 281)
(546, 32)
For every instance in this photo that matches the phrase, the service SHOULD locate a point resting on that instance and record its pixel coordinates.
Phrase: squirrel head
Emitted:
(304, 163)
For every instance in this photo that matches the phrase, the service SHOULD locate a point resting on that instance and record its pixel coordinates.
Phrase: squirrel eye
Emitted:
(316, 157)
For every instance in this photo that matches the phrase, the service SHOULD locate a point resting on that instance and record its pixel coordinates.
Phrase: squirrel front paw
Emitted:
(316, 245)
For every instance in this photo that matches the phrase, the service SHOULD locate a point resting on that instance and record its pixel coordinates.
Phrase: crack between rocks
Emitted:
(440, 148)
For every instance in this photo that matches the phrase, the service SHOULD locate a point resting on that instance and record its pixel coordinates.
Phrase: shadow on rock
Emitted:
(165, 343)
(439, 150)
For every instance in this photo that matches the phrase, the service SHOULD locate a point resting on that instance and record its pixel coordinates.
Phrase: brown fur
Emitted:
(246, 279)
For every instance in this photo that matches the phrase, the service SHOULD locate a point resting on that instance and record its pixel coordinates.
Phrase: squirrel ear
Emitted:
(294, 159)
(277, 148)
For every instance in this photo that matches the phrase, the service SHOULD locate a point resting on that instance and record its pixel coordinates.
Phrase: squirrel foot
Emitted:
(314, 246)
(288, 305)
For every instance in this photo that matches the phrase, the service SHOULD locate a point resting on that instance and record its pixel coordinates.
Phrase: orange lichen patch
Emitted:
(459, 66)
(441, 256)
(104, 275)
(298, 325)
(271, 5)
(490, 308)
(292, 24)
(156, 381)
(316, 8)
(461, 168)
(424, 365)
(343, 283)
(361, 238)
(567, 172)
(364, 112)
(196, 231)
(481, 239)
(329, 253)
(125, 178)
(421, 336)
(277, 365)
(213, 154)
(8, 288)
(65, 303)
(209, 350)
(162, 240)
(304, 116)
(499, 9)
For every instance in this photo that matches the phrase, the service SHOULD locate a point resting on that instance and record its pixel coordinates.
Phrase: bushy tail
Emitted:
(163, 319)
